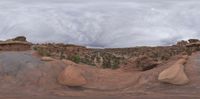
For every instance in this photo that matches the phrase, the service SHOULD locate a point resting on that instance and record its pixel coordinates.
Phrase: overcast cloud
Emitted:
(101, 23)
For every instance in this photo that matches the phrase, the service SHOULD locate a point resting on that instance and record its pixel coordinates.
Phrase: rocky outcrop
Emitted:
(16, 44)
(68, 62)
(20, 38)
(193, 40)
(182, 43)
(175, 74)
(47, 59)
(72, 76)
(22, 69)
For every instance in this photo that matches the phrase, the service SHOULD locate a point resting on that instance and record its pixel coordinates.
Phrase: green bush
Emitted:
(76, 59)
(112, 63)
(43, 52)
(35, 48)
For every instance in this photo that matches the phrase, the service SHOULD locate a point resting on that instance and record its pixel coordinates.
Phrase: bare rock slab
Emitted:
(71, 76)
(47, 59)
(174, 74)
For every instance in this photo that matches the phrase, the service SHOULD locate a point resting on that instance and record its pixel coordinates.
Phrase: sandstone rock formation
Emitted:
(182, 43)
(175, 74)
(47, 59)
(21, 69)
(68, 62)
(72, 76)
(193, 40)
(20, 38)
(16, 44)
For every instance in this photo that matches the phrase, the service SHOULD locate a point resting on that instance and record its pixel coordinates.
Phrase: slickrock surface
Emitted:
(72, 76)
(23, 75)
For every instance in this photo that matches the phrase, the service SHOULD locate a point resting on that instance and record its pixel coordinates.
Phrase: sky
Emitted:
(101, 23)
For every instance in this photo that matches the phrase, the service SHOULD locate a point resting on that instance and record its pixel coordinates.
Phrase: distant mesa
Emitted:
(189, 42)
(193, 40)
(16, 44)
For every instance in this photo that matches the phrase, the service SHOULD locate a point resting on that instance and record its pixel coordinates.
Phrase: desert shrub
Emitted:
(43, 52)
(165, 56)
(145, 63)
(110, 62)
(189, 51)
(87, 61)
(76, 58)
(62, 56)
(114, 64)
(35, 48)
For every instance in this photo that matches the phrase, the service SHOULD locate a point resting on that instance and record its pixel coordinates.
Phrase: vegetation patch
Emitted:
(42, 52)
(75, 58)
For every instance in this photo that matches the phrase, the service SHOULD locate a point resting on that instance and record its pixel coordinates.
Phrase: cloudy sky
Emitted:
(101, 23)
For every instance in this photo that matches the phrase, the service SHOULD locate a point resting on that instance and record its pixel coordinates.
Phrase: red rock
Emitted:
(72, 76)
(175, 74)
(47, 59)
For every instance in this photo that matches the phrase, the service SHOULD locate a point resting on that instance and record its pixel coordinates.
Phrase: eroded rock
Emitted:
(182, 43)
(47, 59)
(20, 38)
(193, 40)
(175, 74)
(72, 76)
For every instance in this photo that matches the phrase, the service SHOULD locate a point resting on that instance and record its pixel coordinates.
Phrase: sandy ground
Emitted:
(25, 76)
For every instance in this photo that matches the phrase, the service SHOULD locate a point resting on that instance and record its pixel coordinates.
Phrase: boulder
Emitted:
(72, 76)
(20, 38)
(68, 62)
(175, 74)
(47, 59)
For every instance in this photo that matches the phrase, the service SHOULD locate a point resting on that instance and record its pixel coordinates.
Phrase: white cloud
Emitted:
(101, 23)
